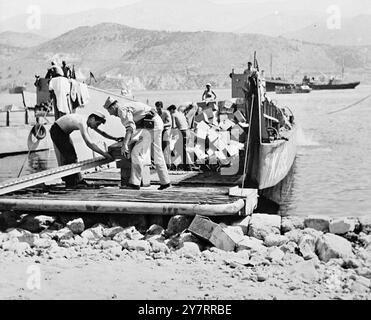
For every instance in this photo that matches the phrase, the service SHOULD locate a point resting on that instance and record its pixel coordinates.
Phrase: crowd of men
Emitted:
(146, 129)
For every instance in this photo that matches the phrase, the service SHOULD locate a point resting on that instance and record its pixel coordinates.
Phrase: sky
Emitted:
(9, 8)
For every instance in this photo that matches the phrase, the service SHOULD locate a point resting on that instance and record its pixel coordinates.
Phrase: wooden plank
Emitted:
(50, 175)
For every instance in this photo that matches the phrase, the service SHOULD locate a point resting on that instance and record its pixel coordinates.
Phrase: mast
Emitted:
(342, 71)
(271, 66)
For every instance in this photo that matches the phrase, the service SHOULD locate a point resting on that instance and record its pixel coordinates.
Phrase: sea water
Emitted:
(332, 173)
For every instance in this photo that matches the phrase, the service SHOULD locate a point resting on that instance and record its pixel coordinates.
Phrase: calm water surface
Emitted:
(332, 173)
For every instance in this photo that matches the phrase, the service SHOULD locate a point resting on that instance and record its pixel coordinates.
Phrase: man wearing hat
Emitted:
(144, 129)
(208, 93)
(63, 145)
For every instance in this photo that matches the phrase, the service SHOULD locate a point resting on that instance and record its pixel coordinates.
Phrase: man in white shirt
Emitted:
(144, 128)
(61, 87)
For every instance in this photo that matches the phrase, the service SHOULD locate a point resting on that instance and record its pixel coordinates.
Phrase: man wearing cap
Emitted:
(64, 148)
(208, 93)
(144, 128)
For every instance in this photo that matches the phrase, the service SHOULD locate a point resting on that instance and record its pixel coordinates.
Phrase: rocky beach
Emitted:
(258, 257)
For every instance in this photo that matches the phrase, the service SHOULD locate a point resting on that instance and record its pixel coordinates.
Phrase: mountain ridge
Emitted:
(152, 60)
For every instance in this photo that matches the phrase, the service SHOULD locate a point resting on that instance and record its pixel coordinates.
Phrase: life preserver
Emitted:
(39, 131)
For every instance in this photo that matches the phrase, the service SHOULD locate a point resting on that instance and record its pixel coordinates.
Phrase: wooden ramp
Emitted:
(49, 175)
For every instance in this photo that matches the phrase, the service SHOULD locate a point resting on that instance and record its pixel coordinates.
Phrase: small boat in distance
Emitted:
(292, 89)
(331, 84)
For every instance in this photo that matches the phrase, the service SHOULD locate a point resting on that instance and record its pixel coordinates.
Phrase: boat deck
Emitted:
(192, 193)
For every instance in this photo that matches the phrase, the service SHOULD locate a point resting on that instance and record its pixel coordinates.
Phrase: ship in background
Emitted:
(329, 83)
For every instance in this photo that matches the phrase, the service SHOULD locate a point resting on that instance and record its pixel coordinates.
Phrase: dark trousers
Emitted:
(185, 134)
(63, 143)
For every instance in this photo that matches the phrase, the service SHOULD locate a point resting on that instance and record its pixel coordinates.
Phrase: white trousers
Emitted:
(141, 153)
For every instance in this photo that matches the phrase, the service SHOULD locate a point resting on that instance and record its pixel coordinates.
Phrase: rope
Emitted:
(29, 151)
(248, 140)
(351, 105)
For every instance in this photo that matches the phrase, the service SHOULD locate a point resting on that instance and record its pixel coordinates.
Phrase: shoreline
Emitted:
(68, 257)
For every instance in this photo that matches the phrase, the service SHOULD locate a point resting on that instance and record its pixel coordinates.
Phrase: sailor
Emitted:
(144, 128)
(180, 122)
(66, 70)
(54, 71)
(208, 93)
(166, 134)
(63, 145)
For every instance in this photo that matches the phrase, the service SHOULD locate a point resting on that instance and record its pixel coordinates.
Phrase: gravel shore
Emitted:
(304, 258)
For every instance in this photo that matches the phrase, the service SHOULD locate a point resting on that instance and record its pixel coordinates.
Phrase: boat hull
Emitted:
(19, 139)
(340, 86)
(270, 85)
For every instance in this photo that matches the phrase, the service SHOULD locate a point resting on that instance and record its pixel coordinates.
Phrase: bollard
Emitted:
(26, 117)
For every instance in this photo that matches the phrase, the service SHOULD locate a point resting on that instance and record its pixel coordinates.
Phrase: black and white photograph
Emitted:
(185, 150)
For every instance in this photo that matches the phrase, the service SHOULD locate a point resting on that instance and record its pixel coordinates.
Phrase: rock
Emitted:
(64, 234)
(130, 233)
(94, 233)
(108, 244)
(307, 246)
(351, 263)
(365, 224)
(275, 255)
(80, 241)
(361, 284)
(15, 233)
(289, 247)
(28, 238)
(341, 226)
(243, 225)
(77, 226)
(115, 251)
(59, 253)
(36, 223)
(365, 239)
(112, 232)
(17, 247)
(9, 219)
(331, 246)
(159, 246)
(154, 230)
(292, 259)
(48, 234)
(189, 237)
(262, 225)
(3, 237)
(44, 243)
(261, 277)
(253, 244)
(364, 272)
(136, 245)
(291, 223)
(178, 224)
(312, 232)
(294, 235)
(304, 270)
(319, 223)
(275, 240)
(189, 250)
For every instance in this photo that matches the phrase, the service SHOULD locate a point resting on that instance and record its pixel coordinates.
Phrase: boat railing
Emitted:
(8, 116)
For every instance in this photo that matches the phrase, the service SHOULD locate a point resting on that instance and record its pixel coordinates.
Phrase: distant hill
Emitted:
(354, 31)
(20, 40)
(268, 17)
(177, 60)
